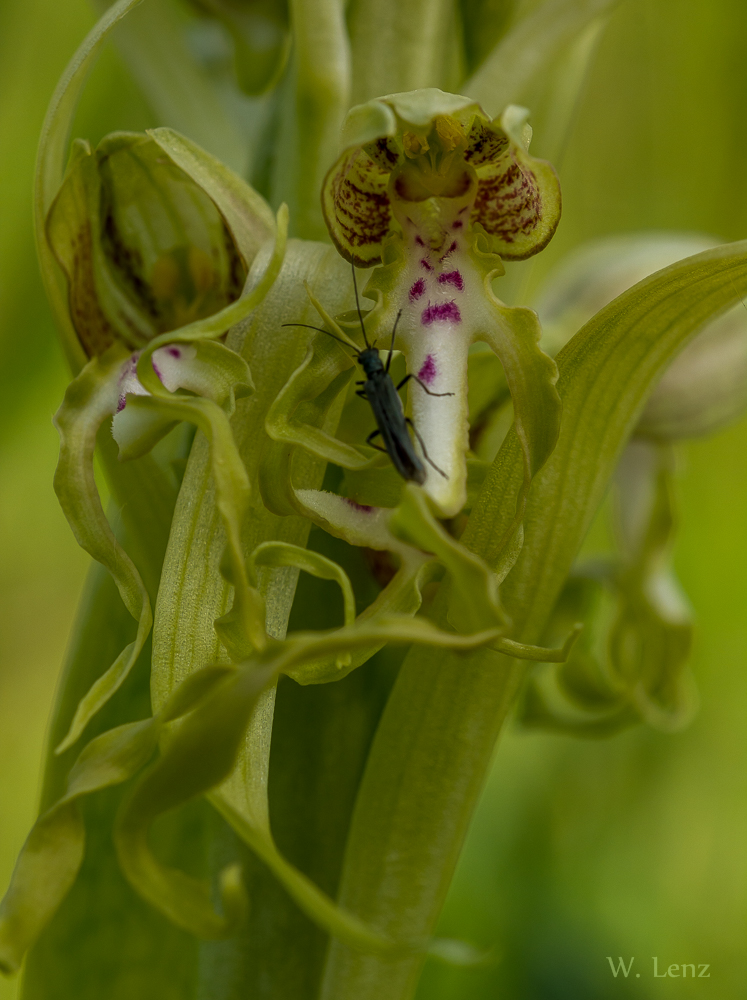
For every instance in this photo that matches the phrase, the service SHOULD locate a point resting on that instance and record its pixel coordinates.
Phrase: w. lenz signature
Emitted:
(673, 971)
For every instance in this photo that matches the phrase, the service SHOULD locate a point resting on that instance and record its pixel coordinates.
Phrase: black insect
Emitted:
(381, 393)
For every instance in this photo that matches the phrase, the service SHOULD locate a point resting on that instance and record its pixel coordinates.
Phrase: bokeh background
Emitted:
(633, 846)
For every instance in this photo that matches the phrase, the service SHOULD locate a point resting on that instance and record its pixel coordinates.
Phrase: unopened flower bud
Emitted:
(144, 248)
(706, 384)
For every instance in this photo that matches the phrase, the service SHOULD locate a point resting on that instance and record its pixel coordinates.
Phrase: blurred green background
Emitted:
(634, 846)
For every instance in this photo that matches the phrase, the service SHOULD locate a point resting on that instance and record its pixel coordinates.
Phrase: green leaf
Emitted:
(193, 593)
(531, 375)
(242, 628)
(706, 384)
(50, 858)
(444, 714)
(196, 756)
(524, 51)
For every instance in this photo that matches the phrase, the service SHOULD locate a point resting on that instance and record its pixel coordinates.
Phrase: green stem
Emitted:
(401, 45)
(318, 94)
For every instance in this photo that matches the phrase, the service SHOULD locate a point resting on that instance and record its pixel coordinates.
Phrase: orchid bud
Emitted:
(144, 248)
(706, 384)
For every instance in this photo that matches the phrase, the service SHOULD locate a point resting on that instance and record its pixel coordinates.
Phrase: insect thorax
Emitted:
(370, 361)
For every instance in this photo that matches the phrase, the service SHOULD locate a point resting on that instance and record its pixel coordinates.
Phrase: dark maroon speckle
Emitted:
(451, 249)
(156, 369)
(174, 352)
(458, 224)
(428, 371)
(424, 263)
(121, 403)
(419, 241)
(451, 278)
(444, 311)
(363, 508)
(417, 290)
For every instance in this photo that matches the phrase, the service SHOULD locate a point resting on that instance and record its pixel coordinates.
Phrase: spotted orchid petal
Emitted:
(437, 193)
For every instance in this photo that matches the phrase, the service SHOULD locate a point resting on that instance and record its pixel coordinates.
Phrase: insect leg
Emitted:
(422, 386)
(369, 440)
(428, 459)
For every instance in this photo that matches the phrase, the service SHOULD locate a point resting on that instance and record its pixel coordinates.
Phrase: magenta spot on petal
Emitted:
(174, 352)
(451, 249)
(462, 209)
(429, 371)
(363, 508)
(121, 403)
(445, 311)
(419, 241)
(458, 224)
(156, 369)
(451, 278)
(424, 263)
(417, 290)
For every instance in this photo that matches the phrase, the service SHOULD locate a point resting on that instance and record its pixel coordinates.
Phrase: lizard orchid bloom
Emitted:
(435, 193)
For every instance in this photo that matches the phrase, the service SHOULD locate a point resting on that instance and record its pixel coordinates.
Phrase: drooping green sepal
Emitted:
(90, 399)
(53, 852)
(632, 664)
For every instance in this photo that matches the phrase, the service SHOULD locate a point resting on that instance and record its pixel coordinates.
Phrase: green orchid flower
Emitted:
(437, 193)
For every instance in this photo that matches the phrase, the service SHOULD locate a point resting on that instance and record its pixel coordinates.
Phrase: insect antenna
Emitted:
(308, 326)
(358, 307)
(391, 346)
